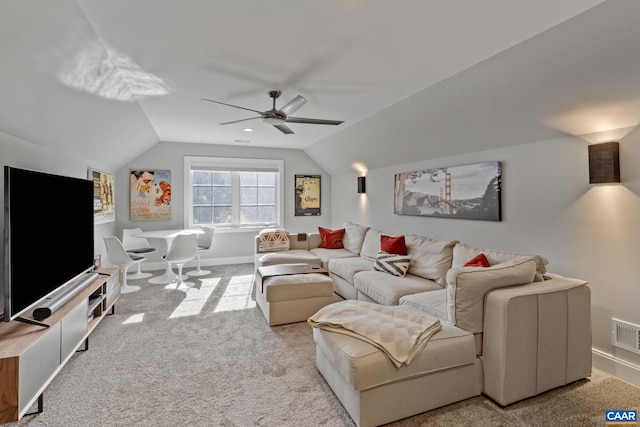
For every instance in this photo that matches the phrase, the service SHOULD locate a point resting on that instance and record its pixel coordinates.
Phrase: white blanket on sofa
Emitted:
(400, 334)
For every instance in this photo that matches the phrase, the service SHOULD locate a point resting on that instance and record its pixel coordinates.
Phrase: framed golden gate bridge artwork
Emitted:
(464, 192)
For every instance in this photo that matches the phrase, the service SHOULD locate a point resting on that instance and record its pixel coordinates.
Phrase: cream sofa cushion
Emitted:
(434, 303)
(353, 236)
(387, 289)
(462, 253)
(430, 258)
(292, 256)
(467, 287)
(297, 287)
(347, 267)
(371, 244)
(364, 366)
(326, 254)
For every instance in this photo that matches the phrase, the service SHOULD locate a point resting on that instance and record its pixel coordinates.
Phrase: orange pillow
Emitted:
(478, 261)
(331, 239)
(393, 244)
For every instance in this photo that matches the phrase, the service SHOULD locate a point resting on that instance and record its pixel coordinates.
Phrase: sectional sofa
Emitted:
(510, 330)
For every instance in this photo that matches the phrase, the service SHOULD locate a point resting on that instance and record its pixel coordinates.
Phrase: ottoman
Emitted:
(374, 391)
(293, 298)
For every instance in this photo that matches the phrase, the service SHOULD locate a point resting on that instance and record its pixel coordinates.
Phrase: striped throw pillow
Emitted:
(392, 263)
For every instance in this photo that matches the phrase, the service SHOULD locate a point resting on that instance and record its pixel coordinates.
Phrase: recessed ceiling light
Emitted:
(248, 129)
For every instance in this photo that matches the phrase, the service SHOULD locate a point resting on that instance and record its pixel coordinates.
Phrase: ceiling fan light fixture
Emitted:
(273, 120)
(279, 118)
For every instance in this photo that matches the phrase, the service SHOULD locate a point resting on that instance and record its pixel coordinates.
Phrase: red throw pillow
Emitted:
(478, 261)
(331, 239)
(393, 244)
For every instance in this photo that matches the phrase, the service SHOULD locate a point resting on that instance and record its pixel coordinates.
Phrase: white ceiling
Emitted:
(109, 79)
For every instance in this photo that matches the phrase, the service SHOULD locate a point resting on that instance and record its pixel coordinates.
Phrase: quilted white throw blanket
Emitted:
(401, 335)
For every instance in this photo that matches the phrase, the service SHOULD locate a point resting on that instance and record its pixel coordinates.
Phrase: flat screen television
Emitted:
(48, 235)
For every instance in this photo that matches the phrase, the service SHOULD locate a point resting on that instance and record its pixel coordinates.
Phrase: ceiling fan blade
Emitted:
(230, 105)
(284, 129)
(241, 120)
(294, 105)
(313, 121)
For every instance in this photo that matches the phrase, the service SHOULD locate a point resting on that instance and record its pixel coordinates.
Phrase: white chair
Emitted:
(184, 248)
(119, 256)
(204, 244)
(136, 246)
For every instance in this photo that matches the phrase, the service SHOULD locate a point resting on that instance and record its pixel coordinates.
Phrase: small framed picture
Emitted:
(104, 205)
(150, 195)
(307, 195)
(97, 261)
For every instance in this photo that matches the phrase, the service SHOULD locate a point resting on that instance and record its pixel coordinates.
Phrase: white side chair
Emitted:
(119, 256)
(205, 241)
(136, 246)
(183, 249)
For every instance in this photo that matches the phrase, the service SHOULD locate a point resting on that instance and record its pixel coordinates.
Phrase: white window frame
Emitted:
(231, 163)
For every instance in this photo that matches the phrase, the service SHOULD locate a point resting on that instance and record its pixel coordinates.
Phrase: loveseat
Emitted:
(530, 330)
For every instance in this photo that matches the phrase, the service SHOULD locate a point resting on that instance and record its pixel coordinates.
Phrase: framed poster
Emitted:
(150, 195)
(104, 202)
(466, 192)
(307, 195)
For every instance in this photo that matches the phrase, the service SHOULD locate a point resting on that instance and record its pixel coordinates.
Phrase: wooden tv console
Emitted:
(32, 355)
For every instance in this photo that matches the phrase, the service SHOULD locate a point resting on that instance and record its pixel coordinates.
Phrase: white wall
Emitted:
(23, 154)
(587, 231)
(227, 247)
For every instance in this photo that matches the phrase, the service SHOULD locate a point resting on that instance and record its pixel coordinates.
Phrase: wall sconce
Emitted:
(604, 163)
(362, 184)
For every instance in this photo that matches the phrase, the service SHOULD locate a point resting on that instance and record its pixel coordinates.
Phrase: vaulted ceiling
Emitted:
(109, 79)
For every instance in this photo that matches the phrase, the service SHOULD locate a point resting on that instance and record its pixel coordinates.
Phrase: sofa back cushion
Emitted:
(467, 287)
(371, 244)
(314, 240)
(430, 258)
(463, 253)
(353, 236)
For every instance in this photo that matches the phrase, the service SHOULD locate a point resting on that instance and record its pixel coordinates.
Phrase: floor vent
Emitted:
(625, 335)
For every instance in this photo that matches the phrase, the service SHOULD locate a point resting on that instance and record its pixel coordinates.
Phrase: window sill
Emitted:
(253, 230)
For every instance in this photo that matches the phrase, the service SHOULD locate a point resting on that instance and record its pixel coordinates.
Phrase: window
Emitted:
(232, 192)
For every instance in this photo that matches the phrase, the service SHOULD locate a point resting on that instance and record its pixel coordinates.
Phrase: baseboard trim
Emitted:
(613, 365)
(152, 266)
(227, 261)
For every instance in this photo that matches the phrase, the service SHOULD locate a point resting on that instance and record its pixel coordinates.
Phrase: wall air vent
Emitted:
(625, 335)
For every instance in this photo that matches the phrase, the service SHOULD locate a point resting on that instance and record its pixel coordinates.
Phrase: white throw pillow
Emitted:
(371, 244)
(467, 287)
(430, 258)
(463, 253)
(353, 236)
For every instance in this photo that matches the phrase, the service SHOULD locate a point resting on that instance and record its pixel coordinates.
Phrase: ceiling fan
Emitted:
(278, 118)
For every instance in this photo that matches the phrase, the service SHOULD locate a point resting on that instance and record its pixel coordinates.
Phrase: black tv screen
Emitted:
(48, 226)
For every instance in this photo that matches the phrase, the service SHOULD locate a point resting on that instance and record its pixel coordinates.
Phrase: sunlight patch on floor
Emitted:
(134, 318)
(195, 299)
(237, 295)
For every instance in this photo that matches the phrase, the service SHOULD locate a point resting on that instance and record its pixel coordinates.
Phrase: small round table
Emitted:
(168, 235)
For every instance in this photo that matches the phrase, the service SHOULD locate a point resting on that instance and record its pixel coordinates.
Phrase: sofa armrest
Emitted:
(536, 337)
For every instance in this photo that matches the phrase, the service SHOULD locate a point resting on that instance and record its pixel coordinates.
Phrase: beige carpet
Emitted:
(206, 357)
